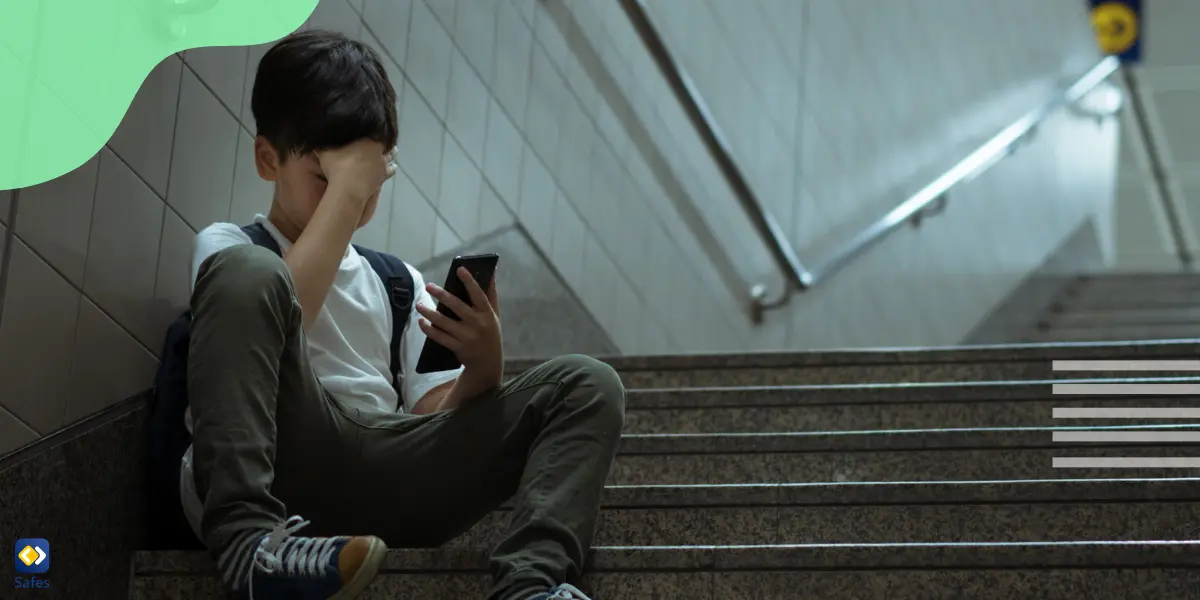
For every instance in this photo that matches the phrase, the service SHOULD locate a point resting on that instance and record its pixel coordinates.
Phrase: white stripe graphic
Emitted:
(1133, 462)
(1127, 413)
(1126, 389)
(1126, 365)
(1127, 436)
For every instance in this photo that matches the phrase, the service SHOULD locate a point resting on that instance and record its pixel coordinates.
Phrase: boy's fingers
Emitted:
(478, 298)
(440, 336)
(459, 307)
(442, 322)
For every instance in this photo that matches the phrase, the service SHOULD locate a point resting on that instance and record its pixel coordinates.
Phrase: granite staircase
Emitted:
(1106, 307)
(903, 473)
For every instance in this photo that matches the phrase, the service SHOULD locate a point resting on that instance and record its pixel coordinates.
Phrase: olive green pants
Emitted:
(270, 442)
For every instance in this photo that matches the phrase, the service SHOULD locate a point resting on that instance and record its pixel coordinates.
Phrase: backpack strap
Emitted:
(398, 282)
(261, 237)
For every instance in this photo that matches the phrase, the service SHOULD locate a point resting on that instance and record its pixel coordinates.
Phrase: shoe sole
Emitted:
(366, 572)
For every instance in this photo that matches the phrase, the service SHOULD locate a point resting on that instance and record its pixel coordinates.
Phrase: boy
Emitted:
(291, 399)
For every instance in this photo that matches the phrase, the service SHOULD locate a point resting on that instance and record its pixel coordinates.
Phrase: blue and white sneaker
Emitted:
(277, 566)
(564, 591)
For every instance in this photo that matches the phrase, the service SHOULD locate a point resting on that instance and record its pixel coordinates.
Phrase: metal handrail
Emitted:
(928, 200)
(706, 126)
(933, 197)
(1158, 172)
(976, 163)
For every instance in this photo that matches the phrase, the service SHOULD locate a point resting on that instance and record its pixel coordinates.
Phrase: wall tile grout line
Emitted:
(171, 160)
(622, 163)
(82, 282)
(445, 128)
(737, 56)
(165, 204)
(83, 294)
(557, 181)
(10, 236)
(69, 431)
(237, 118)
(572, 293)
(555, 177)
(409, 84)
(4, 411)
(217, 97)
(798, 151)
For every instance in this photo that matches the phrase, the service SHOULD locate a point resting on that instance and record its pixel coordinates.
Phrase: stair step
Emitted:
(882, 465)
(1106, 302)
(1092, 569)
(885, 512)
(1117, 284)
(872, 439)
(869, 393)
(1118, 297)
(983, 363)
(872, 493)
(1131, 315)
(875, 524)
(801, 408)
(1116, 333)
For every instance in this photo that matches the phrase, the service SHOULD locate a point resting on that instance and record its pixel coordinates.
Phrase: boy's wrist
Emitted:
(337, 214)
(472, 383)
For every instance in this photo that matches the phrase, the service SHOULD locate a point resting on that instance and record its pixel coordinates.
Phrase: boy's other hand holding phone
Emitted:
(475, 339)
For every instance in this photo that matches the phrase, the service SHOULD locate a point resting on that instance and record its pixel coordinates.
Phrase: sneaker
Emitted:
(302, 568)
(562, 592)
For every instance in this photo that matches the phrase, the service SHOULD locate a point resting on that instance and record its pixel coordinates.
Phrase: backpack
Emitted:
(168, 437)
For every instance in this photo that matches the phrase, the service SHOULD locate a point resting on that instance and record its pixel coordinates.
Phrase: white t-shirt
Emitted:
(348, 344)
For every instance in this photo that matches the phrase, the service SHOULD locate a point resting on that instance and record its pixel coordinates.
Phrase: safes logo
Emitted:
(32, 559)
(33, 555)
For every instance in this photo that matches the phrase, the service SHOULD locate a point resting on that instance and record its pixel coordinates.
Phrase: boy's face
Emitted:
(299, 184)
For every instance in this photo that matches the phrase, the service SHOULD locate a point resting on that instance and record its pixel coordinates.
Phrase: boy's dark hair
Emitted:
(316, 90)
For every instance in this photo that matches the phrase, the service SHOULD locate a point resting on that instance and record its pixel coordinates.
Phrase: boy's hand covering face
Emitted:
(358, 170)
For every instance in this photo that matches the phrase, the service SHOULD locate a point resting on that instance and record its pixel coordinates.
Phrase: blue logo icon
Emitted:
(33, 555)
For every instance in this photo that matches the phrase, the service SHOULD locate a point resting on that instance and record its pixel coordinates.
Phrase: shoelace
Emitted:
(568, 592)
(299, 556)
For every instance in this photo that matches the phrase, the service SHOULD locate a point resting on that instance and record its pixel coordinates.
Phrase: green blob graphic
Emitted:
(71, 68)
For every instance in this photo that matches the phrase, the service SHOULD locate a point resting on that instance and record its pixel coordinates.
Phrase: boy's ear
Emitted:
(266, 159)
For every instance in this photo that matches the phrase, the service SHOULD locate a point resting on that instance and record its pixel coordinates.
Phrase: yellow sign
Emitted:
(1116, 26)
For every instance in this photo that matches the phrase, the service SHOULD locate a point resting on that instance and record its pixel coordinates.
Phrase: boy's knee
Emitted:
(595, 372)
(587, 372)
(244, 271)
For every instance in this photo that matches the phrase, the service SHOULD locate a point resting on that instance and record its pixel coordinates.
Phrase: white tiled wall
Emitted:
(550, 113)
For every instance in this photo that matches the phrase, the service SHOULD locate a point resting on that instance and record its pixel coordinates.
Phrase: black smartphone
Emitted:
(434, 356)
